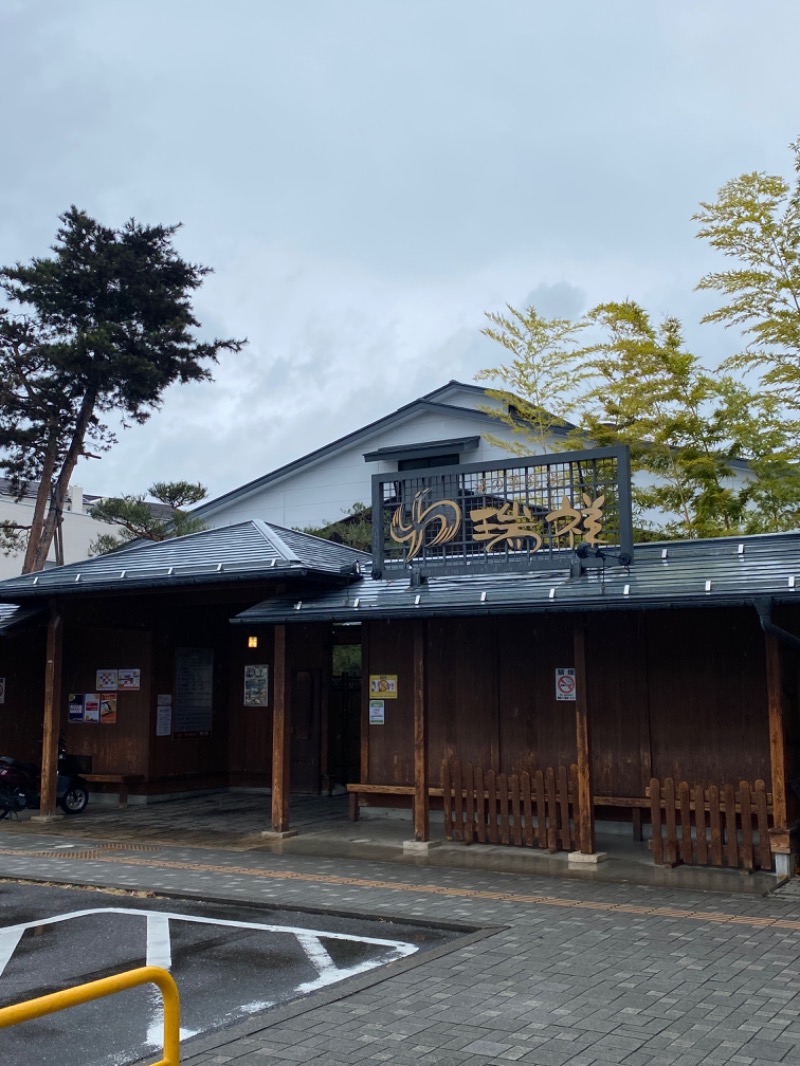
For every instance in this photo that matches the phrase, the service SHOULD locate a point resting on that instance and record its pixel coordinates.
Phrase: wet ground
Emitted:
(238, 820)
(231, 962)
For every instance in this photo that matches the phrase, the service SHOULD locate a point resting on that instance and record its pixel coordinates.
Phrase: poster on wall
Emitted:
(256, 686)
(2, 690)
(377, 712)
(106, 680)
(194, 691)
(108, 708)
(91, 707)
(164, 714)
(75, 707)
(383, 686)
(129, 680)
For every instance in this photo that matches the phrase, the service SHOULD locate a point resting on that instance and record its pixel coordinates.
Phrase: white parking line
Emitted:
(159, 951)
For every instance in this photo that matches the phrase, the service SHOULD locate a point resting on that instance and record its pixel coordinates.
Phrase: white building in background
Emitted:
(447, 426)
(450, 425)
(78, 527)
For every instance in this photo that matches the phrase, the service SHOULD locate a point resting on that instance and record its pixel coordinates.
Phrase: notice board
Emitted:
(194, 692)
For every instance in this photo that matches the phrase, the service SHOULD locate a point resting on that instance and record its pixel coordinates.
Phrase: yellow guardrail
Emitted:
(107, 986)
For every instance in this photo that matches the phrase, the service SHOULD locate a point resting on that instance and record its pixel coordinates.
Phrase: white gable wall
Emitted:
(320, 490)
(325, 490)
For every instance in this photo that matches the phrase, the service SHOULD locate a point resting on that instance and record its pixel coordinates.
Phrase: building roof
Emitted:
(699, 573)
(435, 402)
(11, 615)
(251, 550)
(27, 490)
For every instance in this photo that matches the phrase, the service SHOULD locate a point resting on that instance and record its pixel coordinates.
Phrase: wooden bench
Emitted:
(358, 790)
(124, 781)
(636, 804)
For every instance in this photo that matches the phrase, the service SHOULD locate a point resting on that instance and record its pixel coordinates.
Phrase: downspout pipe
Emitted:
(764, 609)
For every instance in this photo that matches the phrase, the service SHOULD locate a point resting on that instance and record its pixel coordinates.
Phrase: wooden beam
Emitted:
(281, 735)
(585, 803)
(51, 716)
(421, 799)
(366, 668)
(777, 741)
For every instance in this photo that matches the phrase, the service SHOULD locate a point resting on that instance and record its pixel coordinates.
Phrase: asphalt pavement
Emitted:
(586, 973)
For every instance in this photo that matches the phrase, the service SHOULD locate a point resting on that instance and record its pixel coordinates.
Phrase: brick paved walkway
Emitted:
(580, 973)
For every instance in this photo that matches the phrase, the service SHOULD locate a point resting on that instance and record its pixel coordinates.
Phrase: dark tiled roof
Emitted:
(11, 615)
(251, 550)
(669, 574)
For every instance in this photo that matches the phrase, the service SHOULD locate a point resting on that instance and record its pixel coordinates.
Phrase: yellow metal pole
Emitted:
(107, 986)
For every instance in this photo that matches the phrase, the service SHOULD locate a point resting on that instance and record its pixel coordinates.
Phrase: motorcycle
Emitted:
(20, 785)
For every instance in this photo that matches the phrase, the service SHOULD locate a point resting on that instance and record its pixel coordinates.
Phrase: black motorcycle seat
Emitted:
(26, 767)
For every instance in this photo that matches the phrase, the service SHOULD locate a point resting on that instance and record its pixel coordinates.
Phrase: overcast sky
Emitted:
(367, 177)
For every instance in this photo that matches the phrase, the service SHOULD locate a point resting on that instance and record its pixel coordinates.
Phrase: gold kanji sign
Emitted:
(528, 512)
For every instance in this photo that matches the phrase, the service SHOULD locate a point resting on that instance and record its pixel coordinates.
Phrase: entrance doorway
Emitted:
(305, 731)
(344, 708)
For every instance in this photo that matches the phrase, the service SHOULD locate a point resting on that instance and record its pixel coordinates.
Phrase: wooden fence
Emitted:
(535, 810)
(710, 825)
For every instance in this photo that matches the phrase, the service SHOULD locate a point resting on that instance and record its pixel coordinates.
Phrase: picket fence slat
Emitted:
(724, 825)
(526, 809)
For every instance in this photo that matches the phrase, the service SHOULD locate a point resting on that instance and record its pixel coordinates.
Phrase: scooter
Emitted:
(20, 785)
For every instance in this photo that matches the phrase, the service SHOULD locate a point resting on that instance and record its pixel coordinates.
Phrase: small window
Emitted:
(424, 464)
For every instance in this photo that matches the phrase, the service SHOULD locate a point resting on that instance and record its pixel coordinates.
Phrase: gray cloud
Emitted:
(367, 179)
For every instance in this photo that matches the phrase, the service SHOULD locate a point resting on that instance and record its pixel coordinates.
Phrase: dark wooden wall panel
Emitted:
(619, 712)
(204, 757)
(462, 692)
(250, 733)
(537, 730)
(391, 746)
(708, 695)
(22, 657)
(122, 747)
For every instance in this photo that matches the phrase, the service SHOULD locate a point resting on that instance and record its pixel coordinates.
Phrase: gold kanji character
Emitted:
(512, 524)
(587, 521)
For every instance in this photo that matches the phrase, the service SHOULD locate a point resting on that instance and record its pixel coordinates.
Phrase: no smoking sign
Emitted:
(565, 683)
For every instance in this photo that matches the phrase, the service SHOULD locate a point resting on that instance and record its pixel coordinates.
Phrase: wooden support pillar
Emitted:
(421, 799)
(780, 834)
(281, 735)
(325, 676)
(366, 667)
(585, 798)
(51, 717)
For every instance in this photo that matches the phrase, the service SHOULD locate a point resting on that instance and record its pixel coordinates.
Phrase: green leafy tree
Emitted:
(354, 530)
(104, 325)
(690, 431)
(140, 519)
(35, 417)
(542, 375)
(755, 221)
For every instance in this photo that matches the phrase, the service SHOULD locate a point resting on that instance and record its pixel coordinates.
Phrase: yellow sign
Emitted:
(383, 686)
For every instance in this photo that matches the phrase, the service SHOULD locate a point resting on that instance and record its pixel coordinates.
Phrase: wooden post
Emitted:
(780, 833)
(52, 706)
(281, 735)
(325, 676)
(421, 800)
(366, 667)
(585, 799)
